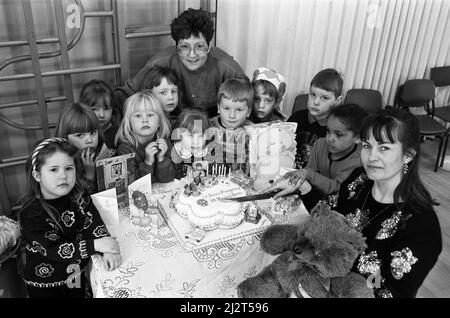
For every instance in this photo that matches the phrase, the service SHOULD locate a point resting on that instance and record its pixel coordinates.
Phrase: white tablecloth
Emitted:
(154, 263)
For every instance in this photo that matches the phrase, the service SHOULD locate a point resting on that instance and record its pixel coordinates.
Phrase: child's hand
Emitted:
(296, 177)
(88, 160)
(150, 152)
(284, 185)
(111, 261)
(106, 244)
(162, 145)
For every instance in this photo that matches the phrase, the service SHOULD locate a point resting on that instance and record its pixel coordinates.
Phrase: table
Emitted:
(154, 263)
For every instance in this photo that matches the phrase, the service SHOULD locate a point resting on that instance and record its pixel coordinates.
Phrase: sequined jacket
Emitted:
(402, 246)
(54, 255)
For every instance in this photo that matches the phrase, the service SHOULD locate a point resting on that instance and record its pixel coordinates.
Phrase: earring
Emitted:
(405, 168)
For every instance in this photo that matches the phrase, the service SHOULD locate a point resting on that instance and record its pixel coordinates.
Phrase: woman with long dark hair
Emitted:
(387, 201)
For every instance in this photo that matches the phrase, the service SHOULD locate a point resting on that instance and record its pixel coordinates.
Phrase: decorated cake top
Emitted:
(201, 203)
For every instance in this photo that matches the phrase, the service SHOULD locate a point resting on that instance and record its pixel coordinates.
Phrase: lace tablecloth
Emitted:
(154, 263)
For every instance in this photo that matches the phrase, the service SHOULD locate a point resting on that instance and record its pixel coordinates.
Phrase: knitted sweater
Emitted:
(326, 174)
(163, 171)
(401, 245)
(53, 255)
(199, 87)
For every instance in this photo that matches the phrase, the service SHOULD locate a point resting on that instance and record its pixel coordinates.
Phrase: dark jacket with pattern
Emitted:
(52, 255)
(403, 246)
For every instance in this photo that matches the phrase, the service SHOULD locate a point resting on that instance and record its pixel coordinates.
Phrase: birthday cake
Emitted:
(201, 204)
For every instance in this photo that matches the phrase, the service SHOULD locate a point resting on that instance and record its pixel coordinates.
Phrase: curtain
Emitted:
(375, 44)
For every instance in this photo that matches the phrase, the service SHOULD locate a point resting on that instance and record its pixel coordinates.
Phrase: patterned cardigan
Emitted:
(54, 256)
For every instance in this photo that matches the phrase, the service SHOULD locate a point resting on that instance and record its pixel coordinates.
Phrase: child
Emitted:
(189, 133)
(332, 158)
(235, 102)
(78, 124)
(269, 90)
(98, 95)
(144, 131)
(324, 93)
(163, 83)
(60, 225)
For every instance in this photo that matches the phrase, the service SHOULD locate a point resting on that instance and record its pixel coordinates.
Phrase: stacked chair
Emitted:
(441, 78)
(421, 93)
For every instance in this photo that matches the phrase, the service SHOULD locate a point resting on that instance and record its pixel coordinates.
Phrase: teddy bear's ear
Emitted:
(321, 209)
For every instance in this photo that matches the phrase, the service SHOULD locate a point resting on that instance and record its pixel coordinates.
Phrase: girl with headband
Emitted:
(60, 225)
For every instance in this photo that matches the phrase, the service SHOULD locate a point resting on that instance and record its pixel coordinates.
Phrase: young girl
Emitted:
(189, 133)
(144, 131)
(269, 90)
(163, 83)
(60, 225)
(98, 95)
(78, 124)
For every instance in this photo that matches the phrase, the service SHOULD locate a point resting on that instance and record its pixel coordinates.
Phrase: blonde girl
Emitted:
(60, 225)
(145, 131)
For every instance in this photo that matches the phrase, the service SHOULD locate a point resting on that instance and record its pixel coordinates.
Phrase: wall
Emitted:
(376, 44)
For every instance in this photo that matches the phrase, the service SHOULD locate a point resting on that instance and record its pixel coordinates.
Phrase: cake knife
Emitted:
(253, 197)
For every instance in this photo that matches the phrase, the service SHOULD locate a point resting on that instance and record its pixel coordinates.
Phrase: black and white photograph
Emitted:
(347, 196)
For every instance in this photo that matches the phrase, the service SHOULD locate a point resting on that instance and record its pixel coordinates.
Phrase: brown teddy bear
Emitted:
(315, 261)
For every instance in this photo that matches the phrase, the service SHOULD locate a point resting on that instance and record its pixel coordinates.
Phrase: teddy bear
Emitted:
(315, 260)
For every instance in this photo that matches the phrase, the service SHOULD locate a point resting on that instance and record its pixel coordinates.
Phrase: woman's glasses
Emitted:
(199, 49)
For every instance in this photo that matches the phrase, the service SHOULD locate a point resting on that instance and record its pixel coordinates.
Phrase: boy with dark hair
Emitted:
(325, 92)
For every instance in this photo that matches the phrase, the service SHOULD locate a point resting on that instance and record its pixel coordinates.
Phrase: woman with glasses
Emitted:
(200, 67)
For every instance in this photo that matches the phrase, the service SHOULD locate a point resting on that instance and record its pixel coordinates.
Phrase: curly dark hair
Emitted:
(192, 22)
(351, 115)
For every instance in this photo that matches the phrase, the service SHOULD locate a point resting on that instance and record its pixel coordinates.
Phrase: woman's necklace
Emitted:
(360, 219)
(194, 87)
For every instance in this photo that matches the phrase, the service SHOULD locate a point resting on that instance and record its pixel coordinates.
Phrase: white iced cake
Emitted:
(202, 207)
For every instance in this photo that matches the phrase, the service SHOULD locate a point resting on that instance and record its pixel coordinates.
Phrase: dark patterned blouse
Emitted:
(402, 246)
